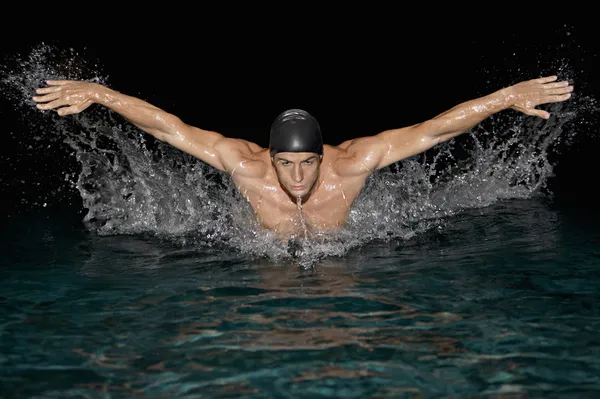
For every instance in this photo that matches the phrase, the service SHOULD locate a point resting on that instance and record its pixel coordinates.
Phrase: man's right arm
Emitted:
(71, 97)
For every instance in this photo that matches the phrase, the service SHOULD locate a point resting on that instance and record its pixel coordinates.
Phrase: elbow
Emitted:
(170, 124)
(161, 136)
(170, 128)
(448, 135)
(440, 130)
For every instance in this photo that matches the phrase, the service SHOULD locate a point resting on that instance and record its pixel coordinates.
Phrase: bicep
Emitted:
(405, 142)
(360, 156)
(233, 156)
(200, 143)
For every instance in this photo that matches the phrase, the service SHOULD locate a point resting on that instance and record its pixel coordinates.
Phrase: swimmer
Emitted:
(300, 186)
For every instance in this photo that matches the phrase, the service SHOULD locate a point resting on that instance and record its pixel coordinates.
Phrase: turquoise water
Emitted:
(502, 302)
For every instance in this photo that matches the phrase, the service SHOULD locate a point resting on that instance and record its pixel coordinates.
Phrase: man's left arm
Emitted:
(364, 155)
(524, 97)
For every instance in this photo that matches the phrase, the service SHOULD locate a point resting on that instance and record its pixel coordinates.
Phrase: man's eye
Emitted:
(309, 162)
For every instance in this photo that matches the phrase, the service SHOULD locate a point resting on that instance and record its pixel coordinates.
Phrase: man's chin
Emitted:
(302, 193)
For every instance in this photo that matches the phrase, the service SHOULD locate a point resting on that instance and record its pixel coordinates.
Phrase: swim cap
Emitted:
(295, 130)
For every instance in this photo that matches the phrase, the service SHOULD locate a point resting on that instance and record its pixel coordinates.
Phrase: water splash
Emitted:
(132, 184)
(21, 75)
(301, 215)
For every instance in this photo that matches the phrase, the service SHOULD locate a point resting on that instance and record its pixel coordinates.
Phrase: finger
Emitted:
(74, 109)
(560, 90)
(538, 112)
(533, 112)
(46, 98)
(542, 114)
(546, 79)
(46, 90)
(59, 82)
(555, 99)
(555, 85)
(54, 104)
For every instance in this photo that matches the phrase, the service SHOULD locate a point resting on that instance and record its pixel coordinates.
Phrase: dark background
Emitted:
(357, 77)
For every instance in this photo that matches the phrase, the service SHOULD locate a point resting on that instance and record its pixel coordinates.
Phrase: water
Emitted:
(505, 300)
(459, 273)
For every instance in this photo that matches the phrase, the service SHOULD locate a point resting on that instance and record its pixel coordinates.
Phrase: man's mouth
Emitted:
(298, 188)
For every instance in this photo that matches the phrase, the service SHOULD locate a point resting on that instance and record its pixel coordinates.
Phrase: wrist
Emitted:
(498, 101)
(505, 97)
(103, 95)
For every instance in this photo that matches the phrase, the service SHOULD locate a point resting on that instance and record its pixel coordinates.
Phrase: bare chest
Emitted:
(325, 209)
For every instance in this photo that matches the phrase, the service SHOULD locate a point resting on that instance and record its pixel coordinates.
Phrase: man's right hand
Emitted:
(69, 96)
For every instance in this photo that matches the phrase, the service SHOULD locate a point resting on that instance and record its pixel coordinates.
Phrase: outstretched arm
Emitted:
(370, 153)
(71, 97)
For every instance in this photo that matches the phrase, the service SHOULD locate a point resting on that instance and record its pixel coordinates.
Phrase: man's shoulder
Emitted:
(238, 146)
(356, 158)
(366, 143)
(235, 152)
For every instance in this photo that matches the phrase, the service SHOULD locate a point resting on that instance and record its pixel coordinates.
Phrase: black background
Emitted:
(357, 75)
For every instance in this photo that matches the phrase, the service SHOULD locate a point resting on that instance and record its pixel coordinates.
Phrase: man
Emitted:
(299, 185)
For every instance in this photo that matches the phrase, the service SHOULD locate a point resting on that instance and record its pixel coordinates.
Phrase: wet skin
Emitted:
(303, 193)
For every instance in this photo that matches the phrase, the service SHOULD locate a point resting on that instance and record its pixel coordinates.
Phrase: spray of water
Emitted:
(130, 184)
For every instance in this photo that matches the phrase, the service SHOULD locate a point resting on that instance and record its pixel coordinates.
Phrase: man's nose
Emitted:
(297, 174)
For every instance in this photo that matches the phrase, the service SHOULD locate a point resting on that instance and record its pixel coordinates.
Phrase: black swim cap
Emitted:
(295, 130)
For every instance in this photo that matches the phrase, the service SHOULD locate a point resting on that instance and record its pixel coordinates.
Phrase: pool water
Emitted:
(502, 302)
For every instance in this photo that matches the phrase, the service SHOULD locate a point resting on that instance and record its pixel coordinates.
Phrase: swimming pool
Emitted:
(502, 301)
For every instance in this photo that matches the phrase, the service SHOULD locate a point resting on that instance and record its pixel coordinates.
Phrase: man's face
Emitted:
(297, 171)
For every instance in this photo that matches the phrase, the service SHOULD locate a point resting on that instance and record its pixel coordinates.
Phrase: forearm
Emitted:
(397, 144)
(402, 143)
(142, 114)
(465, 116)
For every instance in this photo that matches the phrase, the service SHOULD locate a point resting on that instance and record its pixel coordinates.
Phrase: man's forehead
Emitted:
(295, 156)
